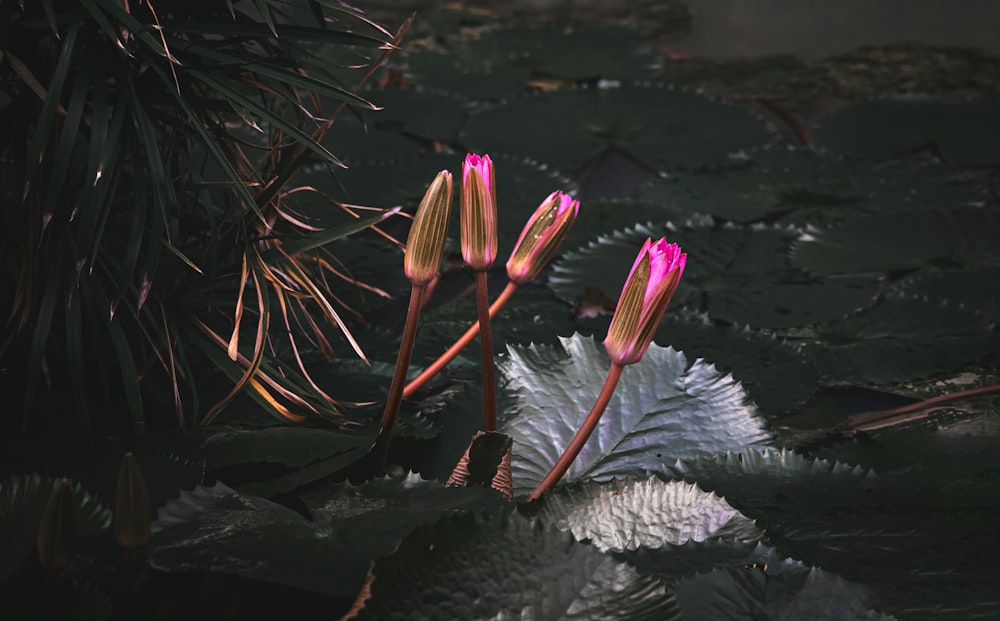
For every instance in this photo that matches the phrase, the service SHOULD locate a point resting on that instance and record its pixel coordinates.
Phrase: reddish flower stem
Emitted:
(435, 367)
(867, 419)
(582, 435)
(486, 347)
(381, 449)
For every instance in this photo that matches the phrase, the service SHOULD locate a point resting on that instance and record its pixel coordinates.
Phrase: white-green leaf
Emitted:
(665, 408)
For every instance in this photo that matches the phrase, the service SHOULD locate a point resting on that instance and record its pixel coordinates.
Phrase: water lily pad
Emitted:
(899, 339)
(662, 128)
(962, 131)
(739, 273)
(776, 374)
(771, 484)
(815, 186)
(739, 593)
(631, 514)
(256, 538)
(501, 60)
(951, 238)
(975, 288)
(665, 407)
(507, 568)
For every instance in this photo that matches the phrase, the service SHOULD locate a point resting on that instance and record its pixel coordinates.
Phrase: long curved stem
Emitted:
(381, 449)
(435, 367)
(486, 348)
(582, 435)
(862, 420)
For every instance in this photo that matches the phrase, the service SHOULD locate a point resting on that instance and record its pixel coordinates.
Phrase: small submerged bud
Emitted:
(425, 244)
(57, 529)
(542, 236)
(132, 516)
(479, 212)
(651, 283)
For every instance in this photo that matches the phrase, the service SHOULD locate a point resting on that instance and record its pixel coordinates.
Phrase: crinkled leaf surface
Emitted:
(22, 501)
(628, 514)
(740, 273)
(767, 484)
(773, 370)
(821, 187)
(256, 538)
(476, 567)
(900, 339)
(950, 238)
(912, 558)
(795, 593)
(963, 131)
(665, 407)
(221, 445)
(776, 374)
(658, 126)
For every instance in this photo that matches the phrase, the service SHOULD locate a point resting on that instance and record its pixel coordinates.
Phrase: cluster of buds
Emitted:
(651, 283)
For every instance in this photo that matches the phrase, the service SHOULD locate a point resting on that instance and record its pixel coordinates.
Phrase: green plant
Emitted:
(150, 151)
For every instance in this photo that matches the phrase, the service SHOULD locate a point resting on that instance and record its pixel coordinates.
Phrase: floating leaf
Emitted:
(820, 187)
(256, 538)
(900, 339)
(740, 272)
(658, 126)
(501, 60)
(507, 568)
(732, 593)
(952, 238)
(974, 287)
(770, 483)
(777, 375)
(961, 130)
(632, 514)
(664, 408)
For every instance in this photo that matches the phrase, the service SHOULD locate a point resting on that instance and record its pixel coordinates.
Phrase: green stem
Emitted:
(582, 435)
(486, 346)
(381, 449)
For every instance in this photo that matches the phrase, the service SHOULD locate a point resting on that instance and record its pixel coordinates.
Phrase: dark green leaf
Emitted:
(258, 539)
(900, 339)
(658, 126)
(507, 568)
(960, 130)
(957, 237)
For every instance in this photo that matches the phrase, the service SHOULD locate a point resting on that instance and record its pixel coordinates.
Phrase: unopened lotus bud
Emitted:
(57, 529)
(132, 516)
(425, 244)
(651, 283)
(479, 212)
(541, 237)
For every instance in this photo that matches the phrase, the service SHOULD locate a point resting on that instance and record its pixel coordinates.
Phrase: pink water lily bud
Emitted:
(542, 236)
(651, 283)
(425, 244)
(479, 212)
